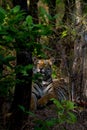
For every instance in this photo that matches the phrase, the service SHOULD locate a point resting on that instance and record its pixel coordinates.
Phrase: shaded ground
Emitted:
(48, 113)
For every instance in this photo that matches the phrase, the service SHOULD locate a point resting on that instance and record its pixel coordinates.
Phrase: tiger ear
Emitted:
(52, 60)
(35, 60)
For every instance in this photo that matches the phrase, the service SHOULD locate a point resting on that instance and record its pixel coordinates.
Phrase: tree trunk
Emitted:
(33, 10)
(77, 69)
(67, 42)
(22, 94)
(85, 68)
(77, 84)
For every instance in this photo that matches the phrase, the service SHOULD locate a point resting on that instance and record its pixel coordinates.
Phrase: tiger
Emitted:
(46, 88)
(39, 86)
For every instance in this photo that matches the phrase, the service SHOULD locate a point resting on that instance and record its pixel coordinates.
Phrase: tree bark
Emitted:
(78, 63)
(85, 68)
(33, 10)
(22, 94)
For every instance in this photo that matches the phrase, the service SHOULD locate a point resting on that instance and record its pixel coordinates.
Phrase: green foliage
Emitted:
(55, 71)
(2, 15)
(20, 33)
(6, 86)
(44, 15)
(64, 110)
(17, 32)
(22, 108)
(16, 9)
(44, 125)
(23, 69)
(6, 73)
(64, 34)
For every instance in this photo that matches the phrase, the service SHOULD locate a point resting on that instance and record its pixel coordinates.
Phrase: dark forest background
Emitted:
(40, 29)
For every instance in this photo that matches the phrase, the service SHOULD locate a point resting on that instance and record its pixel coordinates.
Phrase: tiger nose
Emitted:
(42, 70)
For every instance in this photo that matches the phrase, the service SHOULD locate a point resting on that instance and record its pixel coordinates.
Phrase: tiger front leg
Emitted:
(43, 101)
(33, 105)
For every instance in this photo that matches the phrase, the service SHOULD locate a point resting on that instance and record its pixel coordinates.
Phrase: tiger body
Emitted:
(47, 88)
(57, 89)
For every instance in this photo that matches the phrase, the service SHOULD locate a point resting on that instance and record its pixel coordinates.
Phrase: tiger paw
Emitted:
(42, 102)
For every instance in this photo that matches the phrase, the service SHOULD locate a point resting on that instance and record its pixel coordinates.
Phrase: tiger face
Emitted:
(44, 67)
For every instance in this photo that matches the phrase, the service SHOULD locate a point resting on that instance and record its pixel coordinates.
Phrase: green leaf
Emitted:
(22, 108)
(8, 38)
(23, 69)
(37, 76)
(16, 9)
(44, 14)
(51, 122)
(28, 67)
(64, 34)
(71, 118)
(31, 113)
(29, 20)
(9, 58)
(57, 103)
(70, 105)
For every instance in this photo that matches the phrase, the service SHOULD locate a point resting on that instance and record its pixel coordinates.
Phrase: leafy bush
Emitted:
(64, 110)
(17, 33)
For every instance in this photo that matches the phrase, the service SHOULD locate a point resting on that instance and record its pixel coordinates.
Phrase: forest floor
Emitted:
(40, 116)
(49, 113)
